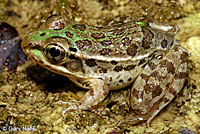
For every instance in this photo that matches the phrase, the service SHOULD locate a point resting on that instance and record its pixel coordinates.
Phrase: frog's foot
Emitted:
(97, 93)
(70, 108)
(63, 102)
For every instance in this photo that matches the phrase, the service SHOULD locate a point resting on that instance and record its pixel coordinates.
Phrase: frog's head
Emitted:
(50, 47)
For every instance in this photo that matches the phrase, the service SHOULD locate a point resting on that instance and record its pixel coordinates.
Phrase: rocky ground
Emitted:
(29, 96)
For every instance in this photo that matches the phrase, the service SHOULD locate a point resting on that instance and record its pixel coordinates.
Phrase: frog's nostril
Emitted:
(72, 49)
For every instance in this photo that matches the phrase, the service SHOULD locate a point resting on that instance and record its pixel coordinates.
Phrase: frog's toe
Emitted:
(70, 109)
(62, 102)
(132, 120)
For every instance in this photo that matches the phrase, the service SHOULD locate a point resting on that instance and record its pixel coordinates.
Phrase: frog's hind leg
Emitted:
(159, 82)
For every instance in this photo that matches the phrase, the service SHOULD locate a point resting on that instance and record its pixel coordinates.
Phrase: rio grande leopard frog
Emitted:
(104, 58)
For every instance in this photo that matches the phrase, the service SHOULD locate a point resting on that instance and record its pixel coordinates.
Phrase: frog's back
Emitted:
(124, 40)
(121, 41)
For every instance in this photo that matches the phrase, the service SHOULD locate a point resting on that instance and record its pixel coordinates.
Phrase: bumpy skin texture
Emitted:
(127, 51)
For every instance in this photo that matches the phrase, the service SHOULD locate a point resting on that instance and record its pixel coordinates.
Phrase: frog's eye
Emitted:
(54, 52)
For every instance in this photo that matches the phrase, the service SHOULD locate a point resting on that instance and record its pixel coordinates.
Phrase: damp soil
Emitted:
(30, 97)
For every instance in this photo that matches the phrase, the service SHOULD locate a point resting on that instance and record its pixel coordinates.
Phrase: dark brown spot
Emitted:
(148, 88)
(98, 35)
(90, 62)
(157, 75)
(72, 49)
(118, 68)
(110, 78)
(72, 57)
(101, 61)
(83, 44)
(152, 65)
(180, 75)
(103, 70)
(106, 43)
(156, 92)
(69, 34)
(42, 34)
(91, 92)
(164, 43)
(168, 65)
(129, 67)
(130, 79)
(132, 50)
(81, 27)
(137, 94)
(105, 51)
(74, 66)
(141, 62)
(114, 62)
(121, 81)
(145, 77)
(184, 57)
(172, 91)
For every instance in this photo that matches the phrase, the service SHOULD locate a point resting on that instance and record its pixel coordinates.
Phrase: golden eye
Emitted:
(54, 52)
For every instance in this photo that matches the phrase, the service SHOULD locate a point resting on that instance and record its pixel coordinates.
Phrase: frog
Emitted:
(134, 51)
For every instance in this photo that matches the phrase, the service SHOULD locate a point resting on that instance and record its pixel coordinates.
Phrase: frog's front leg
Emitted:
(98, 90)
(159, 82)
